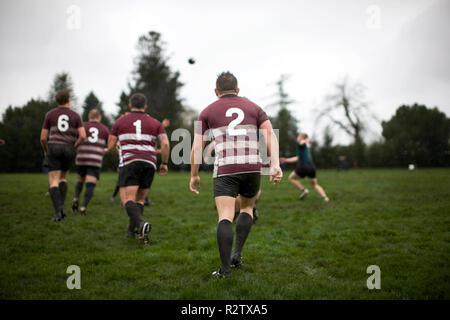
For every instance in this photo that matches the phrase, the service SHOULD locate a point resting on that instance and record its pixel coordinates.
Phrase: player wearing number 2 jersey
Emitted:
(234, 123)
(65, 132)
(89, 159)
(138, 133)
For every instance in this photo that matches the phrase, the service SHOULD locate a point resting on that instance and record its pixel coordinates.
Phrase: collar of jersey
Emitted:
(137, 111)
(231, 95)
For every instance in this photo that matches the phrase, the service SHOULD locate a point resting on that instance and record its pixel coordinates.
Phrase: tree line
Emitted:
(415, 134)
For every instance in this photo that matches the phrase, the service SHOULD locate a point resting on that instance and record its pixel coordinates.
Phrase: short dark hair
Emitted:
(94, 114)
(138, 101)
(226, 81)
(62, 97)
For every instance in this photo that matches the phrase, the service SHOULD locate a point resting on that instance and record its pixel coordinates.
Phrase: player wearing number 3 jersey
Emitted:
(138, 134)
(65, 132)
(234, 123)
(89, 159)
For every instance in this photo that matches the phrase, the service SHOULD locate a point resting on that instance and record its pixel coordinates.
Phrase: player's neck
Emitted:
(67, 105)
(227, 93)
(137, 110)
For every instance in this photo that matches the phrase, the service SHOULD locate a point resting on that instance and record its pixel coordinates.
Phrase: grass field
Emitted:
(396, 219)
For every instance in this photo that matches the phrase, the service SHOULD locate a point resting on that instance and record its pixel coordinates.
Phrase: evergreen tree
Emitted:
(284, 121)
(154, 78)
(92, 102)
(62, 81)
(21, 128)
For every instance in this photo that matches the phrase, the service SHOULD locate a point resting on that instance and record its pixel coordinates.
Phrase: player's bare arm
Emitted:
(81, 137)
(272, 151)
(112, 144)
(44, 142)
(196, 159)
(289, 160)
(165, 150)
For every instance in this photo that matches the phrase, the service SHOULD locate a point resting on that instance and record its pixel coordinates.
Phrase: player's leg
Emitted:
(55, 194)
(146, 179)
(144, 226)
(237, 207)
(255, 209)
(249, 188)
(225, 210)
(244, 224)
(128, 198)
(294, 178)
(91, 182)
(63, 188)
(78, 189)
(116, 190)
(318, 189)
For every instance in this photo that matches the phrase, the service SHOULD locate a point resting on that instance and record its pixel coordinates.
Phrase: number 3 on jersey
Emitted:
(93, 138)
(232, 131)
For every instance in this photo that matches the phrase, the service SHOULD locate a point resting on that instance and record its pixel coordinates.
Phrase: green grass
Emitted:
(396, 219)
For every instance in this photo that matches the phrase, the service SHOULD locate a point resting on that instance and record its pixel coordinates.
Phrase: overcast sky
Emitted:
(399, 49)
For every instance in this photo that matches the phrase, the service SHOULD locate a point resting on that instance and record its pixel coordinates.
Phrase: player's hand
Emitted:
(2, 142)
(163, 169)
(275, 174)
(194, 184)
(105, 150)
(282, 160)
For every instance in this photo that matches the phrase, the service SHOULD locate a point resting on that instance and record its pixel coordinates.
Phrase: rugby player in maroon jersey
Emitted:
(138, 134)
(233, 122)
(65, 133)
(89, 159)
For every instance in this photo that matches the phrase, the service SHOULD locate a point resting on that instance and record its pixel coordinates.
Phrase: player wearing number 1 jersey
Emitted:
(234, 123)
(65, 132)
(89, 159)
(138, 133)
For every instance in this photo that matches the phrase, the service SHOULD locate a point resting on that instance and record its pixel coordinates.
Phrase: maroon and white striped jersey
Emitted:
(90, 153)
(233, 122)
(62, 124)
(137, 133)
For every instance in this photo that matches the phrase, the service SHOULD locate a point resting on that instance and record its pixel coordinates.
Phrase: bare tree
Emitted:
(347, 109)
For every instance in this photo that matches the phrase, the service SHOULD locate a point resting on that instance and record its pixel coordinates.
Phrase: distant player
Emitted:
(138, 134)
(89, 159)
(305, 168)
(65, 133)
(234, 122)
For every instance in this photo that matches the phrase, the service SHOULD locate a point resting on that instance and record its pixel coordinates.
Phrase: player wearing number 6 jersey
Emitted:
(138, 133)
(89, 159)
(234, 123)
(65, 132)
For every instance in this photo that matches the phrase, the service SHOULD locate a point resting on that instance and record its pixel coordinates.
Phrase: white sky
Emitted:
(402, 57)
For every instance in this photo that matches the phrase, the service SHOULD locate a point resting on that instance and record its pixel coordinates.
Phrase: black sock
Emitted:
(56, 198)
(225, 242)
(243, 225)
(141, 208)
(78, 189)
(88, 193)
(63, 192)
(134, 213)
(116, 190)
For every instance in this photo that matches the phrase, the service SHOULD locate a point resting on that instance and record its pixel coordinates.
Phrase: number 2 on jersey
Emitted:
(137, 124)
(232, 131)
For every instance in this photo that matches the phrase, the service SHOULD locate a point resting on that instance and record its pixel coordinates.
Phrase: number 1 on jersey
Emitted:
(137, 124)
